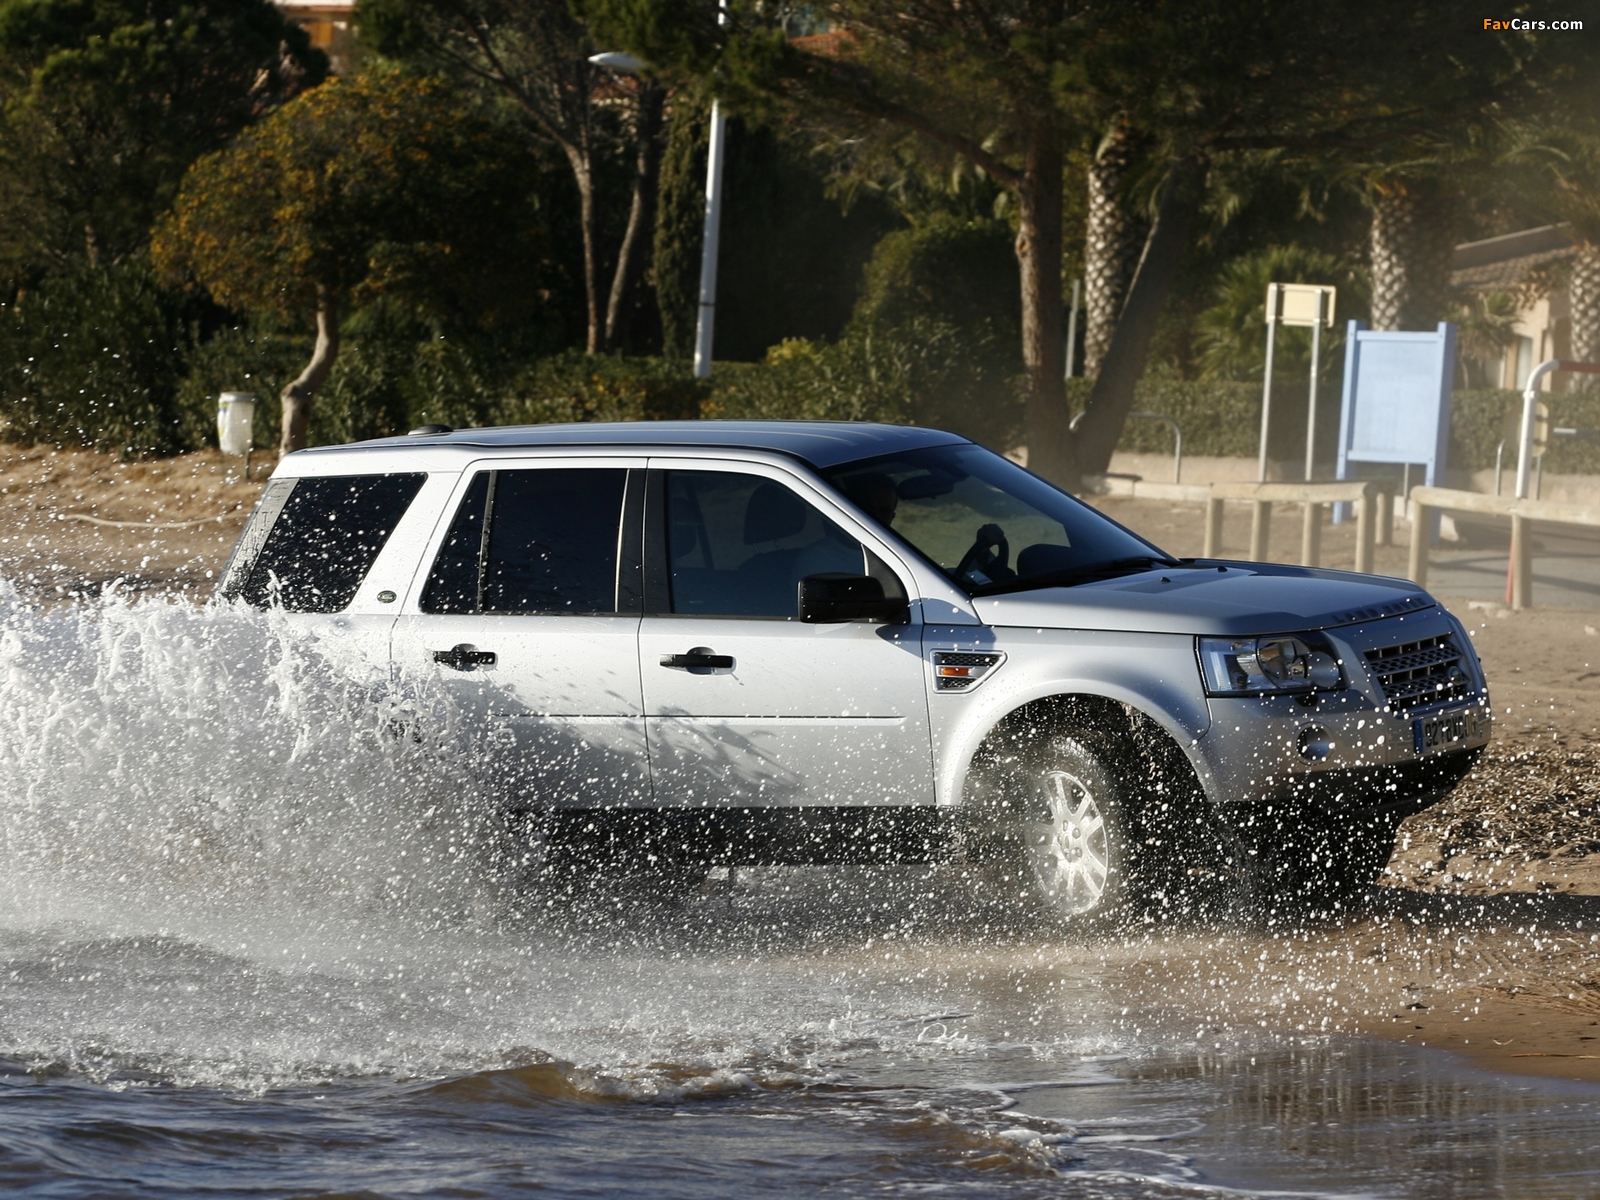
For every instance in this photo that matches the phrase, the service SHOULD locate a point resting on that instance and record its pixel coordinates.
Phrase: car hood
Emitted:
(1241, 600)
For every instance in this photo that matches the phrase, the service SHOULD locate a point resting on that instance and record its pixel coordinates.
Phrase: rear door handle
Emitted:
(463, 656)
(699, 656)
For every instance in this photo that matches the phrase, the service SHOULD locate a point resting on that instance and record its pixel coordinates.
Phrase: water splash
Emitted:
(168, 766)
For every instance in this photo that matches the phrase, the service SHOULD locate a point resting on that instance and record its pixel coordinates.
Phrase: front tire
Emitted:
(1072, 831)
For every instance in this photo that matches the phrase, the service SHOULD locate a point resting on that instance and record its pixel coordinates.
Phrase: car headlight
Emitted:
(1256, 666)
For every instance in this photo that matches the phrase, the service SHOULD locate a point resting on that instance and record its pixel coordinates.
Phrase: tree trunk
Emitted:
(1039, 202)
(1583, 292)
(299, 392)
(1112, 243)
(583, 176)
(1412, 239)
(1112, 398)
(641, 216)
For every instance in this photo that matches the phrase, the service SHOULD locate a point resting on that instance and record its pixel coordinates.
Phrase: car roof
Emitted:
(821, 444)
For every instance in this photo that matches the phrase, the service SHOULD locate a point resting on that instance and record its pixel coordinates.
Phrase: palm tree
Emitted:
(1572, 166)
(1413, 232)
(1114, 237)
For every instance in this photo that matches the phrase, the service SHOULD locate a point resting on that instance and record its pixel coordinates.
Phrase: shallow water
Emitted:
(252, 943)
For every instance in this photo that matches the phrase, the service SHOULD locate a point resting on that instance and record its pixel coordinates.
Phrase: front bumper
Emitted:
(1351, 749)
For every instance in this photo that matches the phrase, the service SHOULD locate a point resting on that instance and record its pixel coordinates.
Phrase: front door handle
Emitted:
(699, 656)
(463, 656)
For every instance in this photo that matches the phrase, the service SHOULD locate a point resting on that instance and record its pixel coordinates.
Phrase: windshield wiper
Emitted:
(1086, 573)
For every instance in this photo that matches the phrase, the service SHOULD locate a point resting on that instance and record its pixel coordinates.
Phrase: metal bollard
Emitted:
(1521, 581)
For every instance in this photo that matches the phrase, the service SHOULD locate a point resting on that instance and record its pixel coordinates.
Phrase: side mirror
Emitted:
(833, 597)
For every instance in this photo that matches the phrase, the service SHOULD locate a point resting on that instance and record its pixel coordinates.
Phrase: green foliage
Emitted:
(962, 272)
(920, 372)
(1486, 325)
(1232, 333)
(105, 103)
(378, 185)
(578, 387)
(1217, 417)
(92, 358)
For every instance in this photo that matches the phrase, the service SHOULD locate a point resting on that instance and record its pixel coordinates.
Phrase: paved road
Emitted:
(1559, 580)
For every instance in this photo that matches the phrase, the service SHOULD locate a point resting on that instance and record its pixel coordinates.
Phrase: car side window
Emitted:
(311, 541)
(552, 544)
(738, 545)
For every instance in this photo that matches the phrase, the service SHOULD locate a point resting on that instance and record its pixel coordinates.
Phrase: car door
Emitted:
(528, 620)
(744, 704)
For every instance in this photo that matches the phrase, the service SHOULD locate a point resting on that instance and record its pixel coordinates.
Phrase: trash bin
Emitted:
(236, 414)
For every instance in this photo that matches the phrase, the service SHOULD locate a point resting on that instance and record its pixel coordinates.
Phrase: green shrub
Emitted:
(578, 387)
(924, 372)
(957, 272)
(94, 358)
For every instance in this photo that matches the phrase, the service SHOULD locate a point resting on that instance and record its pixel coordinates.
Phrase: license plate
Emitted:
(1446, 729)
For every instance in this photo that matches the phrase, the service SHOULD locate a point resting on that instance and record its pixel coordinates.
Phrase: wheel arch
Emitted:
(1120, 714)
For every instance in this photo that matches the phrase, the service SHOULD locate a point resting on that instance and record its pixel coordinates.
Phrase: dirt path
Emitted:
(1484, 938)
(74, 521)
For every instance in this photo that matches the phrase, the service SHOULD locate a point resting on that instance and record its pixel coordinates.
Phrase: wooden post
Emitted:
(1421, 522)
(1260, 529)
(1213, 527)
(1521, 564)
(1365, 515)
(1311, 535)
(1385, 536)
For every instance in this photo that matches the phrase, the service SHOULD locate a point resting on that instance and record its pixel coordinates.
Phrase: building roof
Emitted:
(822, 444)
(1504, 262)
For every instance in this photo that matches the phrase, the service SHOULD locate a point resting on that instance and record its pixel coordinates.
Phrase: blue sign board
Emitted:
(1396, 404)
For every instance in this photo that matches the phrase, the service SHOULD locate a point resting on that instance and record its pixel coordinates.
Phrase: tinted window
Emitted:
(326, 536)
(738, 545)
(552, 544)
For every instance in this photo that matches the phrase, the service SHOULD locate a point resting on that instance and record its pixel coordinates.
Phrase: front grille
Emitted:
(1427, 672)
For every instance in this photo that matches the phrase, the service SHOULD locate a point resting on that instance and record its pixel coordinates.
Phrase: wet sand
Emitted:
(1484, 937)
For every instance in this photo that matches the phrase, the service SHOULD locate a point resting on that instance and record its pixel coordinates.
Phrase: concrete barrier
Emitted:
(1426, 499)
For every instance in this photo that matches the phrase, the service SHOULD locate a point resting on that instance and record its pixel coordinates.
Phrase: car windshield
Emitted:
(988, 524)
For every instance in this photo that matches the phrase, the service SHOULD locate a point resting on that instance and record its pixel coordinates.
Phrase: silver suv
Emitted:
(723, 642)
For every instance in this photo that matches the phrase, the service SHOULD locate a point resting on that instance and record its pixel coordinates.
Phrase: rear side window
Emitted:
(312, 541)
(551, 546)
